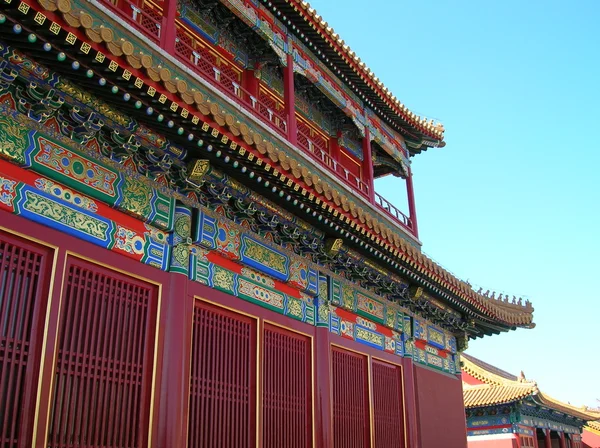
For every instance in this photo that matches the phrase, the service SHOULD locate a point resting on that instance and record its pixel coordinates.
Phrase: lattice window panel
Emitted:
(387, 406)
(350, 400)
(101, 391)
(23, 299)
(223, 379)
(287, 416)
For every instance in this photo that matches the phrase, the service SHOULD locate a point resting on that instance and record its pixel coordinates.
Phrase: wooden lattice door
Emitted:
(24, 283)
(104, 362)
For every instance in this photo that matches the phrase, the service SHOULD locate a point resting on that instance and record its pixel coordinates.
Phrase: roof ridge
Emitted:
(490, 374)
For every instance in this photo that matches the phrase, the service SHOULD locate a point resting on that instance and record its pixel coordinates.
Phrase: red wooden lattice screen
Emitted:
(350, 402)
(223, 379)
(287, 416)
(387, 405)
(23, 297)
(101, 392)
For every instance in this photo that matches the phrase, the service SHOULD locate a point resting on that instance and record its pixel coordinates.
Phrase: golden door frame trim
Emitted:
(404, 423)
(312, 371)
(76, 255)
(55, 251)
(258, 383)
(371, 399)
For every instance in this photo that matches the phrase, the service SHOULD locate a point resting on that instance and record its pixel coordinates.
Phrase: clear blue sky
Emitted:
(512, 203)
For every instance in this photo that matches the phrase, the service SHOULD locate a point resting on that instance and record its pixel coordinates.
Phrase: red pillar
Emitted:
(290, 100)
(168, 30)
(323, 394)
(173, 405)
(410, 403)
(561, 441)
(250, 83)
(367, 168)
(548, 439)
(535, 439)
(412, 210)
(334, 151)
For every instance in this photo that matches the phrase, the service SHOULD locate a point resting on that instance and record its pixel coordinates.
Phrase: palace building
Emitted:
(504, 410)
(192, 250)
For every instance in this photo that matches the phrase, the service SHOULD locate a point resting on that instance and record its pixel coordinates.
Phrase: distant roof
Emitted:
(485, 372)
(501, 387)
(593, 427)
(352, 70)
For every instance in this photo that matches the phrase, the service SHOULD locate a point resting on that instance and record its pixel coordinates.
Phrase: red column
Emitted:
(410, 404)
(173, 401)
(168, 31)
(535, 440)
(250, 83)
(323, 394)
(290, 100)
(412, 210)
(561, 441)
(334, 151)
(548, 439)
(367, 168)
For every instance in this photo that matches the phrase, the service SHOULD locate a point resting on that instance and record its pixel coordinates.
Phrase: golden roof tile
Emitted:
(494, 394)
(346, 53)
(593, 427)
(501, 387)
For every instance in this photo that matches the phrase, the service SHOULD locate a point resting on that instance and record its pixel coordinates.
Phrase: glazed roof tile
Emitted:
(492, 394)
(501, 387)
(512, 314)
(593, 427)
(428, 127)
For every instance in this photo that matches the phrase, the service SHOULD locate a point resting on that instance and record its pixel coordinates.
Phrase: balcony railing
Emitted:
(148, 18)
(188, 51)
(392, 210)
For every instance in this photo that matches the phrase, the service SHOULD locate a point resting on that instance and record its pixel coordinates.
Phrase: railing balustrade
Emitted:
(393, 211)
(148, 17)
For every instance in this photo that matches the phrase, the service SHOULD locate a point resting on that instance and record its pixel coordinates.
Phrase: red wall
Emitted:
(440, 409)
(430, 401)
(590, 439)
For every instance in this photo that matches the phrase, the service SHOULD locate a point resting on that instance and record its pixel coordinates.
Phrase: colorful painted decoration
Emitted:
(218, 272)
(233, 242)
(36, 150)
(39, 199)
